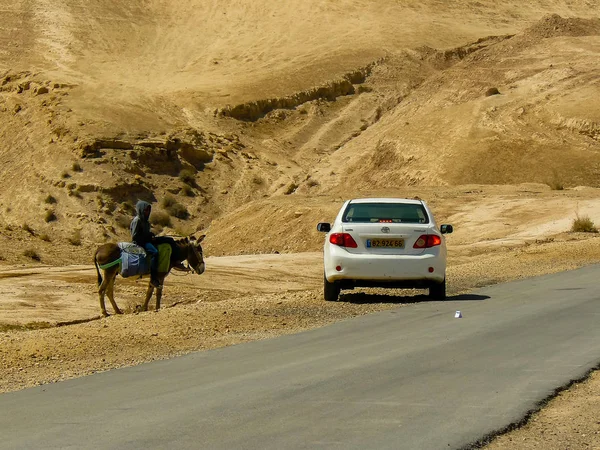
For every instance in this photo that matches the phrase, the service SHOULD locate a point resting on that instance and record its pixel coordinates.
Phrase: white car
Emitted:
(384, 242)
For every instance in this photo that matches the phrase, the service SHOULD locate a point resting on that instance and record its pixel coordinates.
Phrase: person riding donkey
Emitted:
(142, 235)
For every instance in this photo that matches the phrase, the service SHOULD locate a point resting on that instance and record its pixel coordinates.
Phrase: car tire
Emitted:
(331, 291)
(438, 291)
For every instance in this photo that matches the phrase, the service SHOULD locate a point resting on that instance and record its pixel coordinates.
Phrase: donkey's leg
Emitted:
(111, 292)
(158, 297)
(148, 296)
(102, 292)
(161, 282)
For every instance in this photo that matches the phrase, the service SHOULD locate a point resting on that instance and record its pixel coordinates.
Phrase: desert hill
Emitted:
(252, 121)
(220, 110)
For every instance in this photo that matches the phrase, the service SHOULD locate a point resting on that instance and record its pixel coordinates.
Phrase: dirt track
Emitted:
(67, 294)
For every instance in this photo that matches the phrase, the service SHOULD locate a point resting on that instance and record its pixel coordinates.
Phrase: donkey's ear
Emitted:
(186, 240)
(201, 238)
(192, 238)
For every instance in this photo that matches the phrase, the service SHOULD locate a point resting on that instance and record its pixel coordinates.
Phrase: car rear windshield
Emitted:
(385, 212)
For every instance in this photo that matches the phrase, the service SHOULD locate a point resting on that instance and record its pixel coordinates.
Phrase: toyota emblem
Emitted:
(385, 230)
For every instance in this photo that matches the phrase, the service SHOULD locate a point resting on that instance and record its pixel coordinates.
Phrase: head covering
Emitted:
(140, 207)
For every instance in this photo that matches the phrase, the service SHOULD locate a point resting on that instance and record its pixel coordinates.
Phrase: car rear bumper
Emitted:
(384, 270)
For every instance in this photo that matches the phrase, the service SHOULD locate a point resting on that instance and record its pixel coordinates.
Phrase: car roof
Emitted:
(387, 200)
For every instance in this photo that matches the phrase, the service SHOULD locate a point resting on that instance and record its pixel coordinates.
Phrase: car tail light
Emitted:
(343, 240)
(427, 241)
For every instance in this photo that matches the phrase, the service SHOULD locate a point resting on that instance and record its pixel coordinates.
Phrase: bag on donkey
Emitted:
(134, 260)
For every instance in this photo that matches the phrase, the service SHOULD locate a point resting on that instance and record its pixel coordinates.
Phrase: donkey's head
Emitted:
(195, 256)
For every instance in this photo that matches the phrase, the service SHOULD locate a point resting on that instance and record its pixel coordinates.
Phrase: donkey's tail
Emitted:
(97, 269)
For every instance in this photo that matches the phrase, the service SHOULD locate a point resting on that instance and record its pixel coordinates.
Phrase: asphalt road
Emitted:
(411, 378)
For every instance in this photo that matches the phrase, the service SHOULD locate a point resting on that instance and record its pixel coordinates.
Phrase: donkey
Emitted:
(186, 249)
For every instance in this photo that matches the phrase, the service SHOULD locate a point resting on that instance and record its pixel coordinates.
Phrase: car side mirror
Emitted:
(446, 229)
(324, 227)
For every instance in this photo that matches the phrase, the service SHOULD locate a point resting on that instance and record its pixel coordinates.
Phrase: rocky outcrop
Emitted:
(125, 191)
(442, 59)
(584, 127)
(255, 110)
(165, 154)
(93, 148)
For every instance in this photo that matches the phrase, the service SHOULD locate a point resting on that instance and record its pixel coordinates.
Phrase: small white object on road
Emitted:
(458, 315)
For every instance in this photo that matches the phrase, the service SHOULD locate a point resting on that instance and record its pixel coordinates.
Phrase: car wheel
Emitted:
(438, 291)
(331, 291)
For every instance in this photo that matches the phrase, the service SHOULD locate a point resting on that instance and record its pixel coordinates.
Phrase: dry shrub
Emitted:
(187, 176)
(174, 208)
(31, 253)
(50, 216)
(27, 228)
(179, 211)
(168, 201)
(160, 218)
(555, 182)
(77, 167)
(583, 225)
(76, 238)
(50, 200)
(45, 237)
(187, 191)
(556, 186)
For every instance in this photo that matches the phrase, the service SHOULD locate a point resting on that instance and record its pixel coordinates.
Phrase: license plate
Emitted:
(385, 243)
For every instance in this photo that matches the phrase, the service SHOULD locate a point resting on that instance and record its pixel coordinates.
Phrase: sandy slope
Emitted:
(163, 47)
